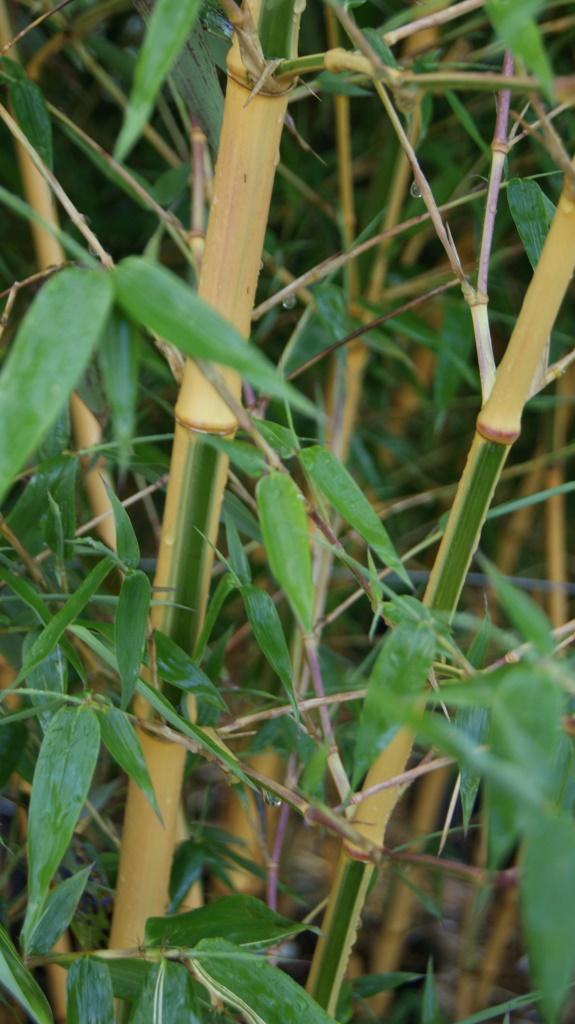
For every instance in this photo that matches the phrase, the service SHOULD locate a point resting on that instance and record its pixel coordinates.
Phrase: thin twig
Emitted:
(33, 24)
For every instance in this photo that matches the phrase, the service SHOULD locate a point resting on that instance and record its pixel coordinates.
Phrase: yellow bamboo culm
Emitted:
(247, 157)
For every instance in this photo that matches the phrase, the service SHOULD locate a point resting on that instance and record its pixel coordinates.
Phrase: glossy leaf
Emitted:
(32, 115)
(62, 779)
(430, 1011)
(247, 983)
(159, 300)
(548, 908)
(244, 920)
(401, 669)
(38, 377)
(121, 739)
(17, 980)
(119, 357)
(126, 541)
(89, 995)
(49, 637)
(238, 557)
(196, 76)
(176, 667)
(286, 539)
(166, 997)
(166, 33)
(57, 912)
(347, 498)
(223, 589)
(131, 629)
(532, 212)
(50, 675)
(267, 628)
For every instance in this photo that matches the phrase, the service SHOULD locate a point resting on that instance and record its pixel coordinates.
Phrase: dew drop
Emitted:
(415, 190)
(271, 799)
(290, 301)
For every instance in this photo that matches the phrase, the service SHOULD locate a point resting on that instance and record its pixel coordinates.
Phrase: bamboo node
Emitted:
(505, 437)
(205, 428)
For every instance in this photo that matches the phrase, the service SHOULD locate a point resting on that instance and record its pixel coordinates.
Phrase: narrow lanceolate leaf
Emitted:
(238, 557)
(121, 739)
(160, 301)
(166, 997)
(57, 912)
(286, 540)
(89, 995)
(347, 498)
(168, 27)
(269, 634)
(262, 993)
(131, 630)
(32, 115)
(126, 541)
(244, 920)
(19, 983)
(176, 667)
(401, 669)
(532, 212)
(196, 76)
(118, 357)
(49, 637)
(51, 350)
(548, 909)
(62, 779)
(528, 618)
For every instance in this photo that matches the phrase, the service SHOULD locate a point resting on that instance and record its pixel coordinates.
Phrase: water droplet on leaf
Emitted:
(415, 190)
(271, 799)
(290, 301)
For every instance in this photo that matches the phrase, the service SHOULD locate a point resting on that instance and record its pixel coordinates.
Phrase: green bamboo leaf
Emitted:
(548, 908)
(528, 618)
(220, 754)
(241, 454)
(269, 634)
(176, 667)
(62, 779)
(166, 997)
(196, 76)
(126, 541)
(168, 27)
(373, 984)
(473, 721)
(19, 983)
(341, 490)
(120, 737)
(50, 675)
(237, 554)
(29, 596)
(50, 636)
(430, 1010)
(32, 115)
(532, 212)
(39, 375)
(119, 358)
(244, 920)
(255, 988)
(89, 995)
(59, 527)
(514, 23)
(57, 912)
(224, 587)
(402, 668)
(160, 301)
(131, 629)
(286, 540)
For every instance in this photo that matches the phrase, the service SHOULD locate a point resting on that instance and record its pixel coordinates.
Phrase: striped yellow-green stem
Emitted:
(244, 174)
(498, 426)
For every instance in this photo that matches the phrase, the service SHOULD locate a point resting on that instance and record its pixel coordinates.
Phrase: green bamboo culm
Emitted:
(498, 426)
(243, 181)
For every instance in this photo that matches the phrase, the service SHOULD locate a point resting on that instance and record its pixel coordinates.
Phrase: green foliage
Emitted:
(75, 642)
